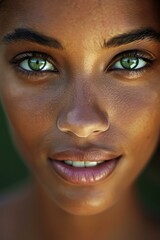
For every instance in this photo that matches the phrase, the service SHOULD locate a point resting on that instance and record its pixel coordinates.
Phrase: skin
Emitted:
(83, 105)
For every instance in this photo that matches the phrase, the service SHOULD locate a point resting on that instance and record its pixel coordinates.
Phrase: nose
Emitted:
(83, 120)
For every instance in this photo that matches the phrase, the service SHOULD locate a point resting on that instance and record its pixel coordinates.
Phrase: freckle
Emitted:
(148, 137)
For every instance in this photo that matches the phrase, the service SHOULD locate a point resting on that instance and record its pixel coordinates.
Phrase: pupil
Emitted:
(129, 63)
(37, 64)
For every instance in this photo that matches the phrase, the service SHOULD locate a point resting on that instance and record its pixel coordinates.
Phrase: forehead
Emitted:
(78, 17)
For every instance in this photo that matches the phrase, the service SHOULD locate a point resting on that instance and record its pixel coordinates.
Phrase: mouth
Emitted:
(82, 168)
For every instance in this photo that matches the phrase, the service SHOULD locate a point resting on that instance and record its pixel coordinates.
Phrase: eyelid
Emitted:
(141, 54)
(27, 55)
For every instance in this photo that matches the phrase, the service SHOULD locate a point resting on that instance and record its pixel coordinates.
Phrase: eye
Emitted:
(36, 64)
(130, 63)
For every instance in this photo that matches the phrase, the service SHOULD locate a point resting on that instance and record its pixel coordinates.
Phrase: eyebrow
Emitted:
(32, 36)
(122, 39)
(135, 35)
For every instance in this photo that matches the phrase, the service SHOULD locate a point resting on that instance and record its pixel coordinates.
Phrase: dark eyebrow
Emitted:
(135, 35)
(33, 36)
(125, 38)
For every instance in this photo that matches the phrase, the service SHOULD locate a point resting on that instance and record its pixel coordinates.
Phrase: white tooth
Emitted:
(68, 162)
(100, 162)
(90, 164)
(82, 163)
(78, 164)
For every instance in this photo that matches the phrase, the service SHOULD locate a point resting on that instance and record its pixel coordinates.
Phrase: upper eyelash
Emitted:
(135, 53)
(131, 53)
(21, 57)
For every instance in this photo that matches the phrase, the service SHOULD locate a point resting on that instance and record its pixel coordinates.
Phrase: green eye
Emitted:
(37, 64)
(129, 63)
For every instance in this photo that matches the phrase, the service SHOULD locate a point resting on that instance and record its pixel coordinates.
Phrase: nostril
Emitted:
(82, 123)
(95, 132)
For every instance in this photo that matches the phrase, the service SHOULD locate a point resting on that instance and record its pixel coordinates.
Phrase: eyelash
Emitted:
(140, 55)
(19, 59)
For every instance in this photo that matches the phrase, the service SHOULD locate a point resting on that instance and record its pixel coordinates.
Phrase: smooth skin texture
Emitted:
(83, 97)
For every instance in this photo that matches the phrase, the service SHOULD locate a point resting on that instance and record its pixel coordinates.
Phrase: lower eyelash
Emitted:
(28, 55)
(149, 64)
(32, 74)
(40, 74)
(139, 54)
(131, 74)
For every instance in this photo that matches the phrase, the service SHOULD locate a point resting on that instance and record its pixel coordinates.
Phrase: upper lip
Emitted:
(88, 155)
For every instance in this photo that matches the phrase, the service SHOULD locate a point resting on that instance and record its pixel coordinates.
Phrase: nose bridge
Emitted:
(82, 117)
(82, 94)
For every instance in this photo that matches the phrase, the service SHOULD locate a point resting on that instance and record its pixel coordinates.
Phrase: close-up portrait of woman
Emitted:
(80, 90)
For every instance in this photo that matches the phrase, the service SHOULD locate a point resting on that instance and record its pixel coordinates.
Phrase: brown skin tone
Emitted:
(83, 105)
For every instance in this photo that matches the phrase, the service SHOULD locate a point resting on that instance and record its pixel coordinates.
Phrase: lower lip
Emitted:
(81, 175)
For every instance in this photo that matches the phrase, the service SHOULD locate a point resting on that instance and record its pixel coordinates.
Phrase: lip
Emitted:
(84, 175)
(93, 154)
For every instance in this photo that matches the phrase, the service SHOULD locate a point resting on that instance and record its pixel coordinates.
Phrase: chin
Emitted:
(85, 206)
(82, 210)
(78, 200)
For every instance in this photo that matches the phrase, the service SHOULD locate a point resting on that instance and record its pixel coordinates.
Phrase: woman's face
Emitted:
(80, 80)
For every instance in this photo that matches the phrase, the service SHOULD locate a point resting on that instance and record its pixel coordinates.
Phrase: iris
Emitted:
(36, 64)
(129, 63)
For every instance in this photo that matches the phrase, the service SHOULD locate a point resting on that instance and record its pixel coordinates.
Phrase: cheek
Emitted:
(32, 114)
(137, 120)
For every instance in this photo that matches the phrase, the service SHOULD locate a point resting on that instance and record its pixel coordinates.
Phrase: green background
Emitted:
(12, 168)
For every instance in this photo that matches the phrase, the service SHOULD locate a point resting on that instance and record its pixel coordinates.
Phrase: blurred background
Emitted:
(12, 169)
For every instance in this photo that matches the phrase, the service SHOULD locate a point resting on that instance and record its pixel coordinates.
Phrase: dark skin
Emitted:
(84, 97)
